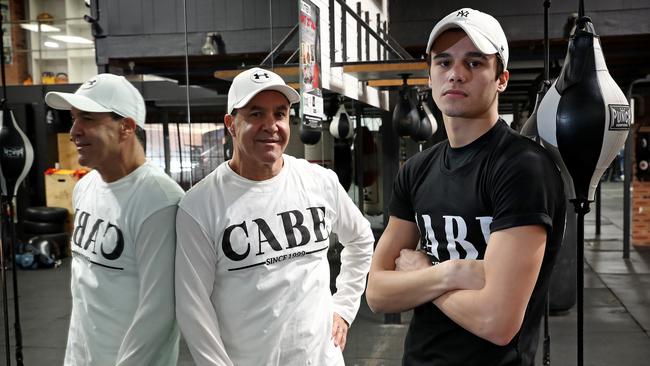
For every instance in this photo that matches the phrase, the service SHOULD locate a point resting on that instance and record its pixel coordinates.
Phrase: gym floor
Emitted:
(616, 309)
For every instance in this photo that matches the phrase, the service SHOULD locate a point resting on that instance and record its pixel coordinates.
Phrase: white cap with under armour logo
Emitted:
(481, 28)
(249, 83)
(103, 93)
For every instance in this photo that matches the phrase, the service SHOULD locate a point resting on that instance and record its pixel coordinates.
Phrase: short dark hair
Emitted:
(140, 133)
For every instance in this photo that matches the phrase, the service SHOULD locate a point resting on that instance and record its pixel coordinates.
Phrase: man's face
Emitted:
(462, 78)
(261, 130)
(97, 137)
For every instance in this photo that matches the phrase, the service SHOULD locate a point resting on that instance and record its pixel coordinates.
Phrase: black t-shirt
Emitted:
(509, 182)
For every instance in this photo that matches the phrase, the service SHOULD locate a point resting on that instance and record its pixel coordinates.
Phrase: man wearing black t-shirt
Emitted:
(487, 208)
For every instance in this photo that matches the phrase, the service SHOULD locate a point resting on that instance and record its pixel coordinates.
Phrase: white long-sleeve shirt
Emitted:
(252, 275)
(123, 247)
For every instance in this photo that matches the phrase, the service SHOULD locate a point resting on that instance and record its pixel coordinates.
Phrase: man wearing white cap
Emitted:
(252, 275)
(123, 242)
(486, 206)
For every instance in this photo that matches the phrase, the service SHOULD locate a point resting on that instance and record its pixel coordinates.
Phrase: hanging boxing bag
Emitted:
(426, 126)
(584, 118)
(16, 154)
(430, 116)
(308, 134)
(341, 126)
(405, 114)
(343, 163)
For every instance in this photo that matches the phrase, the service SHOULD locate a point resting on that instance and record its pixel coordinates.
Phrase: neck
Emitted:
(258, 172)
(130, 157)
(463, 131)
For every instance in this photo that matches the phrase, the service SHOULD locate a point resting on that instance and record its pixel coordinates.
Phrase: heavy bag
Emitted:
(405, 114)
(562, 289)
(369, 156)
(16, 154)
(321, 152)
(584, 118)
(341, 126)
(343, 163)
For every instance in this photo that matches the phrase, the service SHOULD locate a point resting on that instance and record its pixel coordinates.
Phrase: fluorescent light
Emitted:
(51, 44)
(72, 39)
(44, 27)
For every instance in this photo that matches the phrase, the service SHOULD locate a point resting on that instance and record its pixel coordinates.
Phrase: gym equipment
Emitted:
(341, 126)
(343, 163)
(16, 157)
(309, 135)
(405, 114)
(584, 119)
(426, 125)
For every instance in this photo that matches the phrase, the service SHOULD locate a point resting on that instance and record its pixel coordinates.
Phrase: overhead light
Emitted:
(51, 44)
(33, 27)
(72, 39)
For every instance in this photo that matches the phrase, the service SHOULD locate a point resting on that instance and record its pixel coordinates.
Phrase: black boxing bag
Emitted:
(16, 154)
(426, 126)
(369, 156)
(343, 163)
(405, 114)
(584, 117)
(562, 288)
(341, 126)
(309, 135)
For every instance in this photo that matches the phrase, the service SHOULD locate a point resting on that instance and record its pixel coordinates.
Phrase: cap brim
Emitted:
(478, 39)
(66, 101)
(290, 93)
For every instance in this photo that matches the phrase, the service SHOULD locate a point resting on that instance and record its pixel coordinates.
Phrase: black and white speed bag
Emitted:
(16, 154)
(584, 118)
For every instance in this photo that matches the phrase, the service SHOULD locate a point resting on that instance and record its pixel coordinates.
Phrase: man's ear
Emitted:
(128, 125)
(503, 81)
(229, 121)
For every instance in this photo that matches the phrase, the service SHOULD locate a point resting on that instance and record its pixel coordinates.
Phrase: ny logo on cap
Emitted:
(260, 77)
(463, 13)
(90, 83)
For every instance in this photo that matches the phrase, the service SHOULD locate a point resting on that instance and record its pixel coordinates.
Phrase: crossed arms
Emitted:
(486, 297)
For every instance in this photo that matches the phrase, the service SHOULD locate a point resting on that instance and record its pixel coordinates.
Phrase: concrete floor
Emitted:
(616, 311)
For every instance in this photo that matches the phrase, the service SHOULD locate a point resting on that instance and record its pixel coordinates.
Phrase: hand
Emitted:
(411, 260)
(339, 331)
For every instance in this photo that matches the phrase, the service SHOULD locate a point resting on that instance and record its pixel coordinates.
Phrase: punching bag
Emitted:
(341, 126)
(405, 114)
(584, 118)
(16, 154)
(426, 126)
(562, 289)
(309, 135)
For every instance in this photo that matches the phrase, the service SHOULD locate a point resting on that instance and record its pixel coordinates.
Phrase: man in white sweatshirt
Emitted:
(123, 242)
(252, 275)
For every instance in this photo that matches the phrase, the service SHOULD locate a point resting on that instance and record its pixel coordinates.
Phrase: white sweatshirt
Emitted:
(252, 275)
(123, 247)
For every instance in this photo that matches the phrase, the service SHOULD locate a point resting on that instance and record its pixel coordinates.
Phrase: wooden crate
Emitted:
(68, 156)
(59, 187)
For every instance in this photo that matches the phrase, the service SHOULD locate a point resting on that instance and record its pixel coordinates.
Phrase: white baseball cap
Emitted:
(251, 82)
(481, 28)
(103, 93)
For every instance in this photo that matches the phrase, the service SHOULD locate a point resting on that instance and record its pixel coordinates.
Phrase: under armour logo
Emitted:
(257, 76)
(463, 13)
(91, 82)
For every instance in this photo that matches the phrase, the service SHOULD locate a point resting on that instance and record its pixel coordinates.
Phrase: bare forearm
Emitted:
(392, 291)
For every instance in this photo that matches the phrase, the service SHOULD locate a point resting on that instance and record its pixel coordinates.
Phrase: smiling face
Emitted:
(260, 133)
(462, 79)
(97, 137)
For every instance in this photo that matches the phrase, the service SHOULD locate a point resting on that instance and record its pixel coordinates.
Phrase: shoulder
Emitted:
(422, 161)
(302, 166)
(155, 185)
